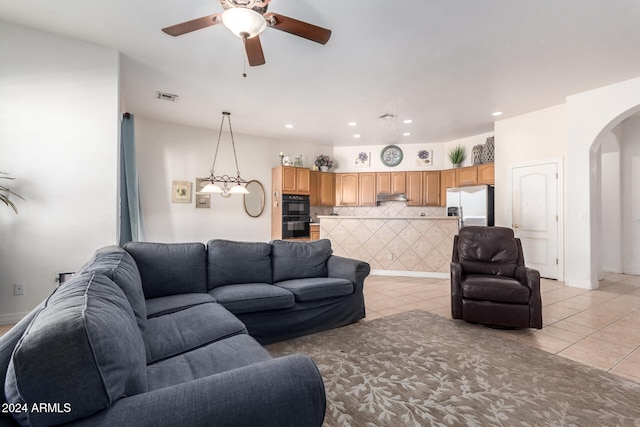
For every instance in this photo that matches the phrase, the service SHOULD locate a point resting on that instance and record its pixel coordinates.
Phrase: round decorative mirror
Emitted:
(254, 201)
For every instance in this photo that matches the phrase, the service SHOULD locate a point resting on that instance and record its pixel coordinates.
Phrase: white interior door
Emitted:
(535, 215)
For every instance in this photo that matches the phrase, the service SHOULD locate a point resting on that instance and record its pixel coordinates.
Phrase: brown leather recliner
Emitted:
(489, 282)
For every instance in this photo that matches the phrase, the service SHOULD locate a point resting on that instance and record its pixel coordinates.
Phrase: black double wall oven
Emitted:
(296, 216)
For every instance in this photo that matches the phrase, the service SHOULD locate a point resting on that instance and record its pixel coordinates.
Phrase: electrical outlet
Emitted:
(18, 289)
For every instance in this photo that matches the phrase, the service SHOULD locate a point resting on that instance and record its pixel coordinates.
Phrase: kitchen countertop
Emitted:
(385, 217)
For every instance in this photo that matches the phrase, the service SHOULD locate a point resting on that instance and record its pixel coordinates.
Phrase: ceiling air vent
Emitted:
(166, 96)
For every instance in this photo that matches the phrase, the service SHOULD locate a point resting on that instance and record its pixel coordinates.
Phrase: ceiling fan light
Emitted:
(238, 189)
(242, 21)
(212, 188)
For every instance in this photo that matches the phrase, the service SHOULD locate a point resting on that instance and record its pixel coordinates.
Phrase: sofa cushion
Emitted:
(84, 349)
(220, 356)
(495, 288)
(231, 263)
(317, 288)
(188, 329)
(252, 297)
(299, 260)
(170, 268)
(116, 263)
(172, 303)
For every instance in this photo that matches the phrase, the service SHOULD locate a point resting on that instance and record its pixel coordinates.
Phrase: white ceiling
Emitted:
(446, 64)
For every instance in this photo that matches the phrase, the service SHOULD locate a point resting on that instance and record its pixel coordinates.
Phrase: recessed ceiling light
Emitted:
(406, 122)
(406, 134)
(353, 124)
(357, 135)
(289, 126)
(496, 114)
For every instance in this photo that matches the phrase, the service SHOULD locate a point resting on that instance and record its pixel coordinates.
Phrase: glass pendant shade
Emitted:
(243, 22)
(238, 189)
(212, 188)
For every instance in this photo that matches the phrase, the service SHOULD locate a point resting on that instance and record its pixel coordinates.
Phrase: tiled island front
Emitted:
(413, 246)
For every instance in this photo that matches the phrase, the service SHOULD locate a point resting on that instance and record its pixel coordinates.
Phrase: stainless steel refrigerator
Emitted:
(474, 205)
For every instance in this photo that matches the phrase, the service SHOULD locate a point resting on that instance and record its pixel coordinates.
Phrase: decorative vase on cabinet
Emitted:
(324, 168)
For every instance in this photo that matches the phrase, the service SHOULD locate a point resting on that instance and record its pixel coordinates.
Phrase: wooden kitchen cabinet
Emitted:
(390, 182)
(431, 188)
(323, 191)
(366, 189)
(414, 188)
(486, 174)
(346, 189)
(314, 231)
(466, 176)
(295, 180)
(447, 180)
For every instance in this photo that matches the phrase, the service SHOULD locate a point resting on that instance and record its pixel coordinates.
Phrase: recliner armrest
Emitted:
(528, 276)
(456, 291)
(286, 391)
(348, 268)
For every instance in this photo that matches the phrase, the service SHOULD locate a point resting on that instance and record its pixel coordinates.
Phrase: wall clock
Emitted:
(391, 155)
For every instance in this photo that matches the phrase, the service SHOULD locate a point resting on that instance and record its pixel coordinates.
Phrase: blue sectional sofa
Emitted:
(170, 334)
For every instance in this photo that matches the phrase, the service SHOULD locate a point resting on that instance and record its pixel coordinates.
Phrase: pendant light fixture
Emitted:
(225, 185)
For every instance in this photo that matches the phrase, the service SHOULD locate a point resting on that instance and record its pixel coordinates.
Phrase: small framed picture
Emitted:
(424, 158)
(203, 201)
(181, 192)
(200, 184)
(363, 159)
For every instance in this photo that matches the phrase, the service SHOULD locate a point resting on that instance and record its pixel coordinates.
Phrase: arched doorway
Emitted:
(591, 117)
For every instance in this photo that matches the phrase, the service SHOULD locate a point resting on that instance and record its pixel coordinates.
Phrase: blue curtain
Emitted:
(129, 198)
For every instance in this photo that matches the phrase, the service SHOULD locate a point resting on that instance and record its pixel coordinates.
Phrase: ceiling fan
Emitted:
(247, 19)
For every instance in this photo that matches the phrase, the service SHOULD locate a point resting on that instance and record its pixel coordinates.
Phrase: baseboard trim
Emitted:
(404, 273)
(11, 318)
(582, 284)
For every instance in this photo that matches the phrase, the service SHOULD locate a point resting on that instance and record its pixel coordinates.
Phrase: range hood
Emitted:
(394, 197)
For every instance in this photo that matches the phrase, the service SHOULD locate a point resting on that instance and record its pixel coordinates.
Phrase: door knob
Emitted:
(516, 225)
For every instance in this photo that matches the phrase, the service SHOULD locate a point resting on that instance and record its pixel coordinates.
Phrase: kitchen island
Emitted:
(419, 246)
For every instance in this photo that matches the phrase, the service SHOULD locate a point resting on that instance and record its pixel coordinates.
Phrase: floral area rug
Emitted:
(420, 369)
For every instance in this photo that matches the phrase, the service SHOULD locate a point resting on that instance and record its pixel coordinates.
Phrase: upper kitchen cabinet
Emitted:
(447, 180)
(295, 180)
(466, 176)
(391, 182)
(322, 185)
(431, 188)
(486, 174)
(366, 189)
(346, 189)
(414, 188)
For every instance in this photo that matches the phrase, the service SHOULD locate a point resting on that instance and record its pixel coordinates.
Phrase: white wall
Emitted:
(167, 152)
(611, 231)
(630, 198)
(58, 137)
(536, 136)
(345, 156)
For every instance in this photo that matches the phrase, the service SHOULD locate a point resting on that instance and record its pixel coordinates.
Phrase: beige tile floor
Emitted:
(600, 328)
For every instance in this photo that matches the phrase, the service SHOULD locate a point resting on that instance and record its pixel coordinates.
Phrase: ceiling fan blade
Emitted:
(194, 24)
(253, 47)
(298, 28)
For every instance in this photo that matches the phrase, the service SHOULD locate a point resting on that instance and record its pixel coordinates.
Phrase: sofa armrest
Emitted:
(456, 291)
(531, 278)
(348, 268)
(286, 391)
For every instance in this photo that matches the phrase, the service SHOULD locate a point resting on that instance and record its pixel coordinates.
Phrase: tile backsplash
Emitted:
(390, 209)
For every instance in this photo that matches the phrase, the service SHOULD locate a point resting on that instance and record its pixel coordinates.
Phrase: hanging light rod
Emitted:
(225, 184)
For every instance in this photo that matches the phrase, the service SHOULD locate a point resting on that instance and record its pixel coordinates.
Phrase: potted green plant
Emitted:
(5, 193)
(457, 155)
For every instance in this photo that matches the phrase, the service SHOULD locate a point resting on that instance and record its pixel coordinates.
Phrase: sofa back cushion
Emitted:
(299, 260)
(83, 350)
(170, 268)
(116, 263)
(488, 250)
(231, 263)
